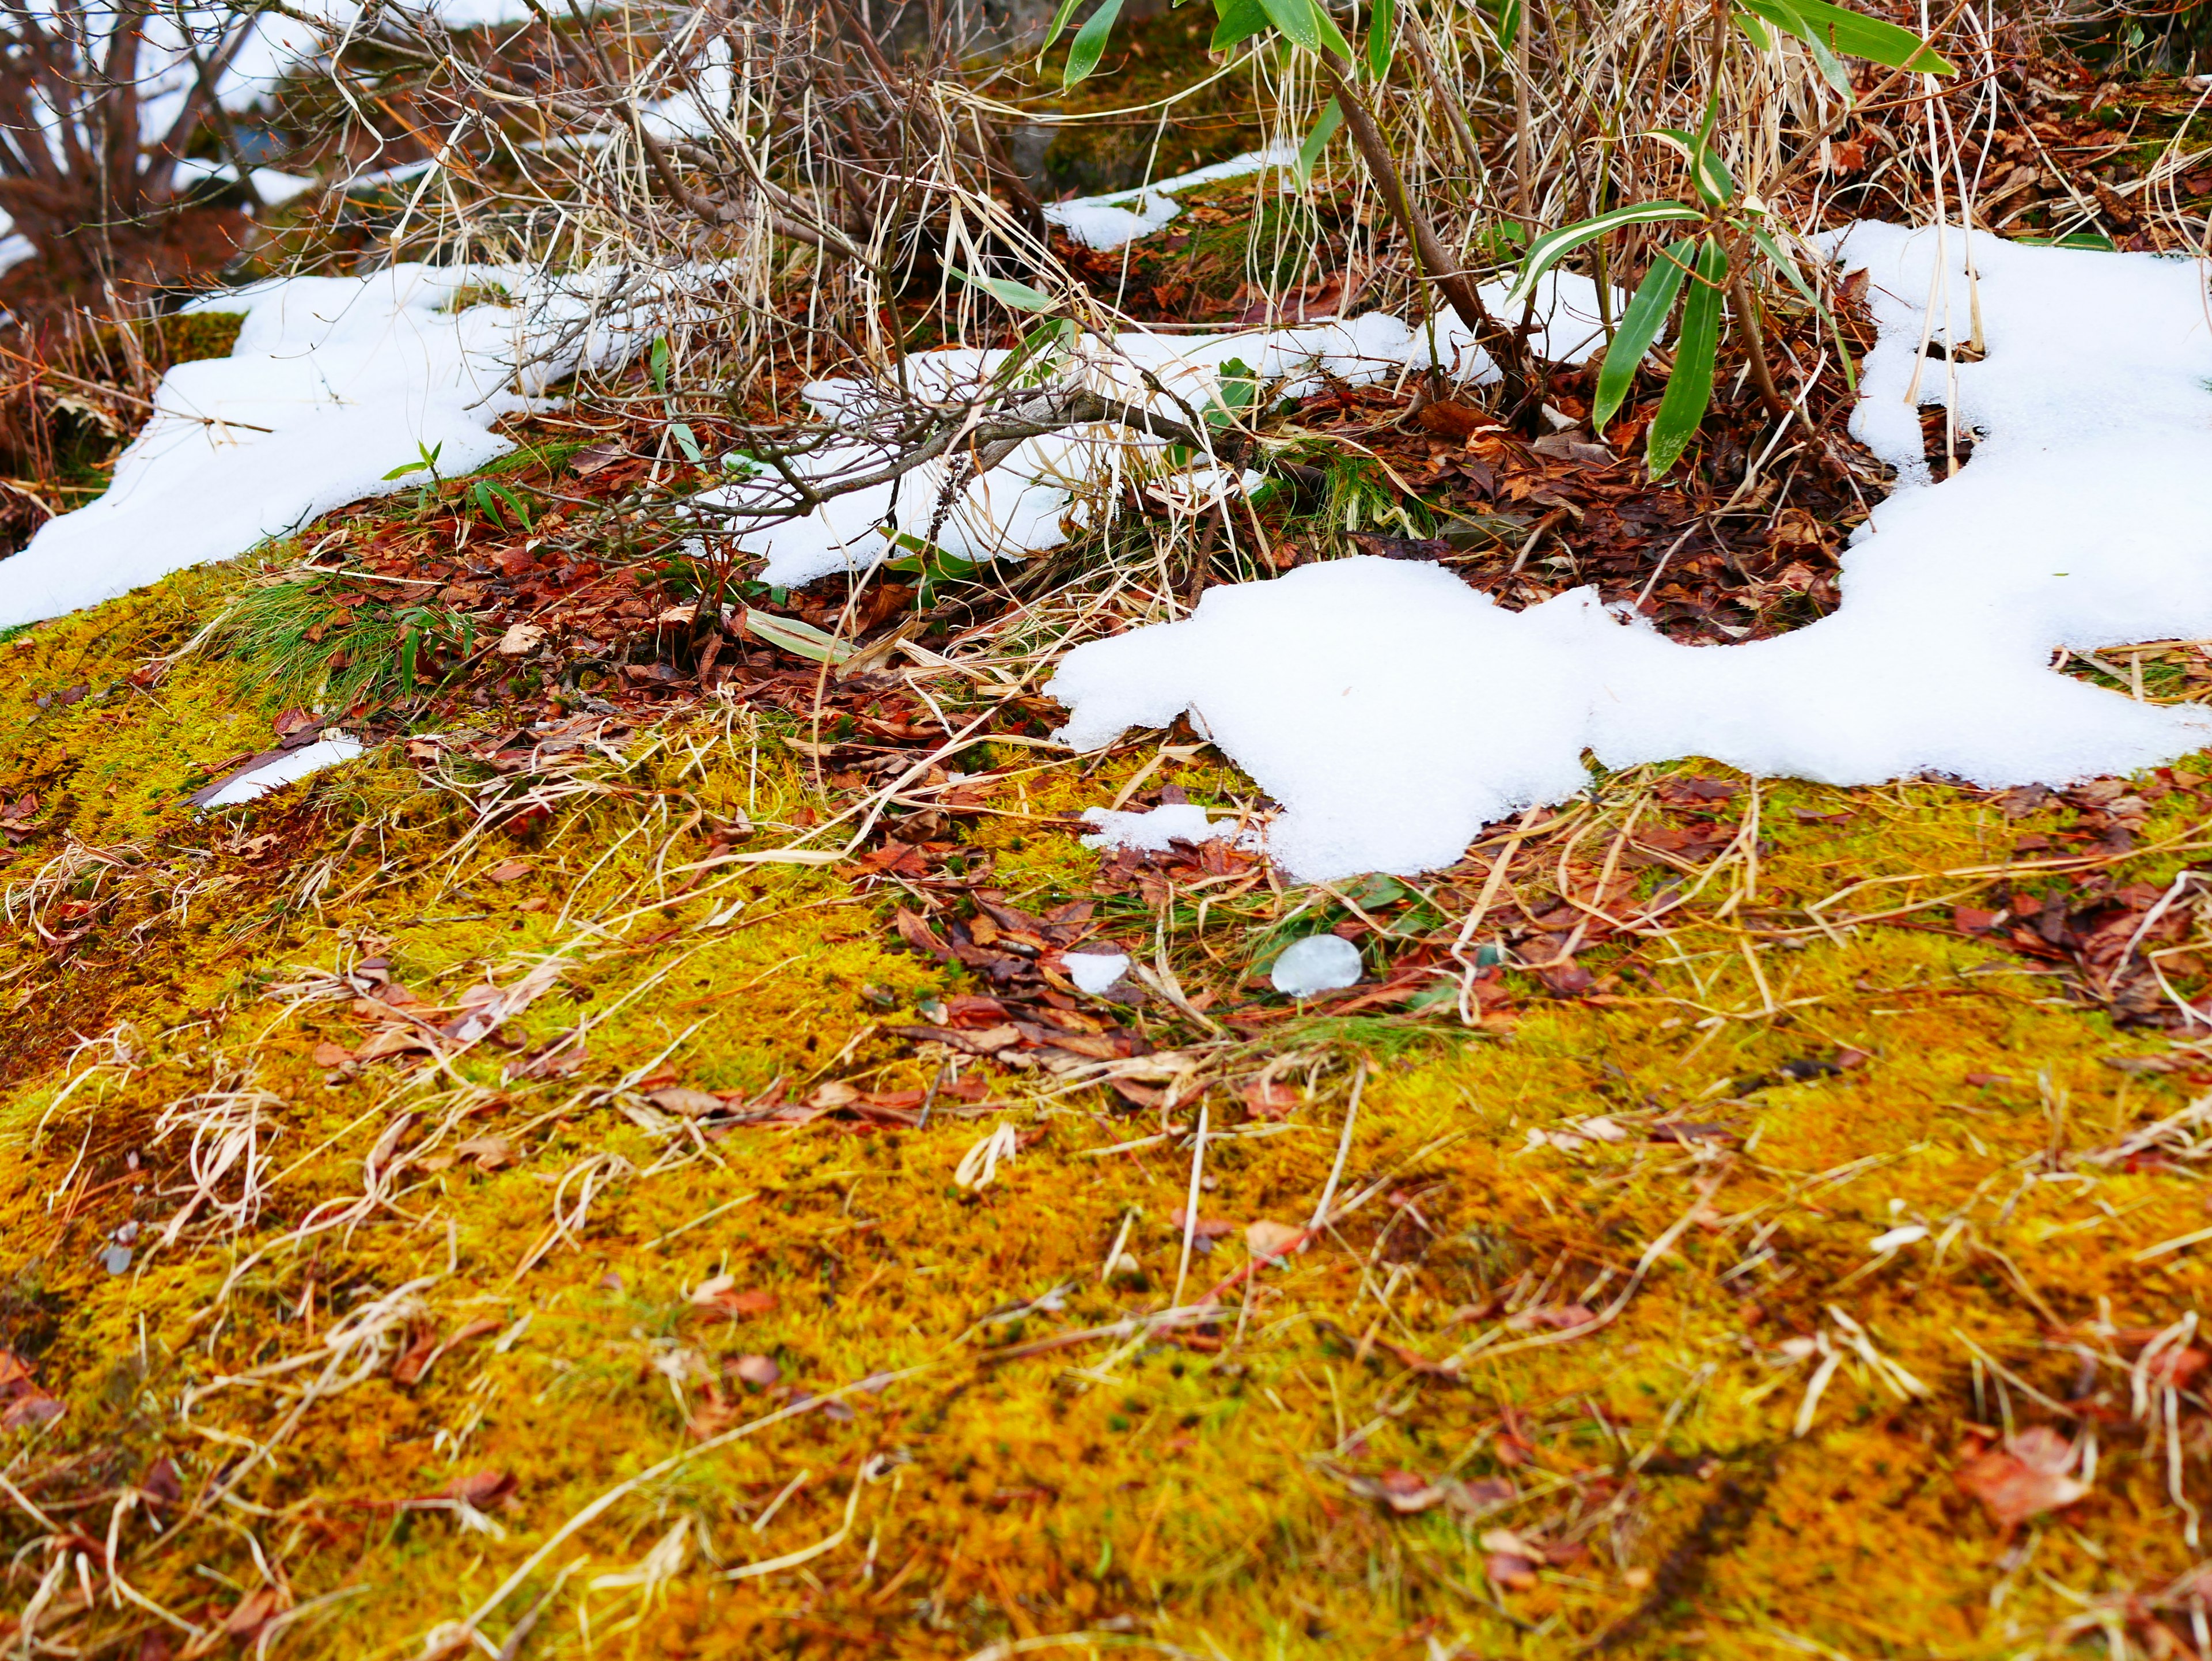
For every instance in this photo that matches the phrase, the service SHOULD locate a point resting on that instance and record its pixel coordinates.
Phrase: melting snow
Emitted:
(1050, 486)
(1319, 963)
(1394, 710)
(292, 765)
(1107, 221)
(333, 382)
(1155, 831)
(1096, 972)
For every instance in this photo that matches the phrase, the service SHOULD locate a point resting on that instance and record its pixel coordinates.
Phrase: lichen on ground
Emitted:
(1596, 1350)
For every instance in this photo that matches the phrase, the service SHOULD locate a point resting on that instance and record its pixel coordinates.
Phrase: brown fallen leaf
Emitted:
(686, 1103)
(2024, 1478)
(758, 1371)
(1448, 418)
(328, 1054)
(508, 870)
(255, 1610)
(481, 1491)
(721, 1293)
(1511, 1561)
(415, 1360)
(1270, 1240)
(391, 1040)
(487, 1152)
(1272, 1101)
(1208, 1228)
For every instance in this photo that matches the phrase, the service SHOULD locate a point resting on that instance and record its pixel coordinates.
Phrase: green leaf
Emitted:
(514, 505)
(1779, 259)
(1059, 23)
(1639, 327)
(1508, 24)
(1332, 117)
(1690, 389)
(1090, 42)
(1240, 20)
(1831, 67)
(1303, 23)
(1757, 30)
(1382, 30)
(405, 468)
(1547, 248)
(793, 636)
(1852, 34)
(658, 359)
(1007, 292)
(1716, 185)
(687, 441)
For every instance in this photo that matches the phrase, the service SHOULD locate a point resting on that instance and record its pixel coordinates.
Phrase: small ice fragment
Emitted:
(1319, 963)
(295, 764)
(1899, 1237)
(1095, 972)
(1149, 833)
(116, 1260)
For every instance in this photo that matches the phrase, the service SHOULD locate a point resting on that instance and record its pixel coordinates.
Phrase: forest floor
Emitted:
(622, 1167)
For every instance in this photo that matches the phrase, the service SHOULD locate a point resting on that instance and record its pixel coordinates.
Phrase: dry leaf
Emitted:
(328, 1054)
(1208, 1228)
(508, 870)
(758, 1371)
(521, 637)
(489, 1152)
(1270, 1240)
(2026, 1477)
(686, 1103)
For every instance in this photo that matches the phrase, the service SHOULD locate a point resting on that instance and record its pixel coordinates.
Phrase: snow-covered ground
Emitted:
(1047, 489)
(334, 383)
(1393, 710)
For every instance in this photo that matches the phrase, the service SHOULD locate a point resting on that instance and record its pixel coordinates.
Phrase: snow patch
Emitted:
(292, 765)
(1053, 486)
(1319, 963)
(333, 382)
(1394, 710)
(1107, 221)
(1155, 831)
(1096, 972)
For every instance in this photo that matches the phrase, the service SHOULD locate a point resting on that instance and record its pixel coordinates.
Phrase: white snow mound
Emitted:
(334, 382)
(1393, 710)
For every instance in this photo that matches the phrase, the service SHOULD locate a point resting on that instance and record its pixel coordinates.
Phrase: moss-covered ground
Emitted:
(491, 1343)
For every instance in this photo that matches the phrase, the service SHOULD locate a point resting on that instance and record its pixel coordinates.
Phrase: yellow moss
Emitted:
(1218, 1496)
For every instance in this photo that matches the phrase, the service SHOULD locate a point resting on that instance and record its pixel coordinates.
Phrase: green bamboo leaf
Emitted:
(1716, 184)
(1852, 34)
(1508, 24)
(793, 635)
(1546, 249)
(1090, 42)
(1756, 30)
(1059, 23)
(1332, 117)
(1690, 389)
(1006, 291)
(1831, 67)
(1240, 20)
(1780, 259)
(1382, 28)
(1303, 23)
(1639, 326)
